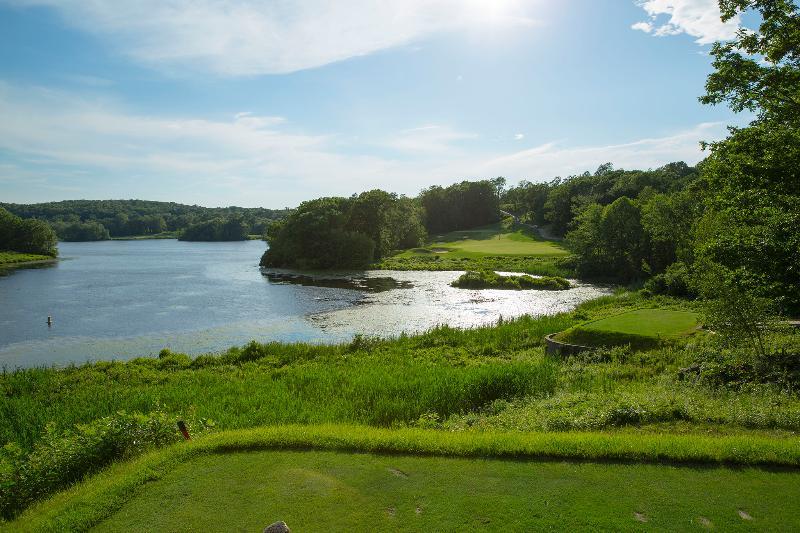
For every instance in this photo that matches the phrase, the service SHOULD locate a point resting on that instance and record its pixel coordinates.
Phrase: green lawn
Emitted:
(641, 328)
(492, 240)
(11, 258)
(491, 247)
(648, 322)
(332, 491)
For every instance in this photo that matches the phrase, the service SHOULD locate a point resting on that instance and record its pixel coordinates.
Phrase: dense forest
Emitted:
(28, 236)
(88, 220)
(217, 229)
(468, 204)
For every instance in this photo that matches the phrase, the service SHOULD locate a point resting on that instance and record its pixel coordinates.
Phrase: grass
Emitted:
(495, 240)
(640, 328)
(368, 381)
(207, 479)
(247, 491)
(494, 247)
(488, 388)
(12, 258)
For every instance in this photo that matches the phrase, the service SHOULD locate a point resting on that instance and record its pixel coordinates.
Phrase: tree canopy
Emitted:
(30, 235)
(344, 232)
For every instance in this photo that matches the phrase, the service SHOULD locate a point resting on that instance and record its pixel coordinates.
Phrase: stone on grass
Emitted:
(277, 527)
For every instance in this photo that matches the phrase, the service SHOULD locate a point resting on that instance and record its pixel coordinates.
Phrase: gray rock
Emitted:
(277, 527)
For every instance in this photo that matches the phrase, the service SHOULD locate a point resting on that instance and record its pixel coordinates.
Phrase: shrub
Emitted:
(674, 281)
(61, 459)
(488, 279)
(741, 368)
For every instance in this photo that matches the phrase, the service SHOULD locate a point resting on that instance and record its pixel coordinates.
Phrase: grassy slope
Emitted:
(490, 247)
(714, 493)
(10, 258)
(246, 491)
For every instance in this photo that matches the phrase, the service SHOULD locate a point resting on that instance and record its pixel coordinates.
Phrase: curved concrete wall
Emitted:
(563, 349)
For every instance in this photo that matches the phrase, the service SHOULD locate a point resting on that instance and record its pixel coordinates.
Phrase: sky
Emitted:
(270, 103)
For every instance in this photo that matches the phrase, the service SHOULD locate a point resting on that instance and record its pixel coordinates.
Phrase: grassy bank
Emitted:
(163, 235)
(16, 258)
(185, 467)
(490, 376)
(496, 247)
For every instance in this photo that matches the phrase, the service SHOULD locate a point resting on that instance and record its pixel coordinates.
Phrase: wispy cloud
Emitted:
(57, 145)
(697, 18)
(429, 140)
(240, 37)
(555, 159)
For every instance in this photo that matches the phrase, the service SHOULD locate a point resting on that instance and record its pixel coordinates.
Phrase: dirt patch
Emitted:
(705, 522)
(641, 517)
(440, 250)
(418, 510)
(396, 472)
(744, 515)
(391, 511)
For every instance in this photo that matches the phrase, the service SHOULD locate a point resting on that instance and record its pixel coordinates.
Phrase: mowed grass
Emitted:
(491, 247)
(329, 491)
(492, 240)
(641, 328)
(649, 322)
(498, 481)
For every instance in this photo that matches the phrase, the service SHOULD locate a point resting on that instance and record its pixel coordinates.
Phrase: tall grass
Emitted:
(378, 382)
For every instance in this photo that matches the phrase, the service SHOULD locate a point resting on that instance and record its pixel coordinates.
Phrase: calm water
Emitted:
(122, 299)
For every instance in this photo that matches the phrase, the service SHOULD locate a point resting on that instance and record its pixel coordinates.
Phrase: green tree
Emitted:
(752, 227)
(759, 70)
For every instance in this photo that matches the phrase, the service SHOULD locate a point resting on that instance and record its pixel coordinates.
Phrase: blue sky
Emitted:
(228, 102)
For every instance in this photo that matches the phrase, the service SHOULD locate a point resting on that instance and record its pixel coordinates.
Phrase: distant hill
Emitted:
(81, 220)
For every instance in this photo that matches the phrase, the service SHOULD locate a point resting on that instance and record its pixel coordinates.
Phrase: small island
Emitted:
(488, 279)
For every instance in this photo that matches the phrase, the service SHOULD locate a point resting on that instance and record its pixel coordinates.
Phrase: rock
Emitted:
(277, 527)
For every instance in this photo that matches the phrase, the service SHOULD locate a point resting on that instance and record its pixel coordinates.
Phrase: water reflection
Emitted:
(125, 299)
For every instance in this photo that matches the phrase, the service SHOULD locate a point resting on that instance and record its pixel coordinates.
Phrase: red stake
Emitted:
(184, 431)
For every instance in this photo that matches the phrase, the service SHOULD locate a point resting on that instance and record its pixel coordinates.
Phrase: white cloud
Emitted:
(430, 140)
(697, 18)
(241, 37)
(519, 136)
(553, 159)
(57, 145)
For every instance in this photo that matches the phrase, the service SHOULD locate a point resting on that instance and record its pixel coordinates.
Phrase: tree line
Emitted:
(83, 220)
(29, 235)
(354, 232)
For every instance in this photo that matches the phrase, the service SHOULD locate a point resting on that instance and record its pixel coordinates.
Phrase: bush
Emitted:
(740, 368)
(674, 281)
(488, 279)
(61, 459)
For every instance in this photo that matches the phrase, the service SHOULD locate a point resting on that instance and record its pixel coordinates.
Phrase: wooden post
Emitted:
(184, 431)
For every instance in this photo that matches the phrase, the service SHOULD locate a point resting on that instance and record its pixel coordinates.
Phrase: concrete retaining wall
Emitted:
(563, 349)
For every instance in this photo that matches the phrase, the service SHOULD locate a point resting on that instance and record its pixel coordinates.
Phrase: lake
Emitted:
(123, 299)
